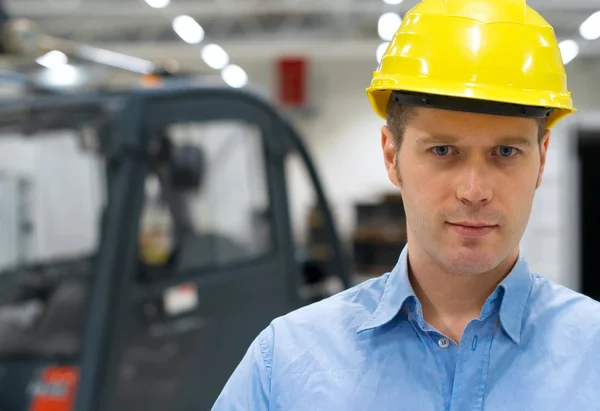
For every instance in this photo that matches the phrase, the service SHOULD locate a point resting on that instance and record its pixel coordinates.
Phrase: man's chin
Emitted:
(469, 261)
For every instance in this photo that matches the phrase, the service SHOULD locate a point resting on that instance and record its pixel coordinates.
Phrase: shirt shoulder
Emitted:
(555, 307)
(345, 310)
(549, 294)
(316, 337)
(318, 328)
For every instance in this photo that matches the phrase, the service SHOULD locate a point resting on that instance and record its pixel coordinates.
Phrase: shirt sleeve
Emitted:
(248, 388)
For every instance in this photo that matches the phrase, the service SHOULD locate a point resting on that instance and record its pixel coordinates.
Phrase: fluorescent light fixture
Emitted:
(381, 49)
(158, 4)
(234, 76)
(392, 2)
(590, 28)
(188, 29)
(388, 25)
(53, 59)
(114, 59)
(214, 56)
(569, 49)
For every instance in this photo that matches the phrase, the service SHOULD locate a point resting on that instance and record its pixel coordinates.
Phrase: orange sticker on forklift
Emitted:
(55, 390)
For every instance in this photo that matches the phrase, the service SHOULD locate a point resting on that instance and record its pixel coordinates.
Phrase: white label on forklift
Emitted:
(180, 299)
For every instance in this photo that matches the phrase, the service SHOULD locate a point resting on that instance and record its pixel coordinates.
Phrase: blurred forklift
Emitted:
(191, 265)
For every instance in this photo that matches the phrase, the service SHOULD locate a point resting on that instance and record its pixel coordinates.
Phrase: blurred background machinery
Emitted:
(195, 253)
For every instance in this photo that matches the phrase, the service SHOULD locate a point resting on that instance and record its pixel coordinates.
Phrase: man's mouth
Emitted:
(472, 229)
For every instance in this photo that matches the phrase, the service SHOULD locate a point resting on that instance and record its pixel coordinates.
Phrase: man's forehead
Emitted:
(458, 126)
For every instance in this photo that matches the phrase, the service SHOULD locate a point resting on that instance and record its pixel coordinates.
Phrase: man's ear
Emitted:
(543, 152)
(390, 152)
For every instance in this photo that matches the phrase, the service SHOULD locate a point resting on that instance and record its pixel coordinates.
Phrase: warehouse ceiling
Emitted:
(253, 28)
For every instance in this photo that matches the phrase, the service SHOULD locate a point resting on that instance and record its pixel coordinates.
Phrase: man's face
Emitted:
(468, 182)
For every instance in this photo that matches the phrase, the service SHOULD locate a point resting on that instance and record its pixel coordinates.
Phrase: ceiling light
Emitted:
(381, 49)
(214, 56)
(53, 59)
(158, 4)
(63, 76)
(569, 49)
(234, 76)
(388, 25)
(590, 28)
(393, 2)
(188, 29)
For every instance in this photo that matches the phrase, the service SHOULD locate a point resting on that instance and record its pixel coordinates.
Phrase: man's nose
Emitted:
(474, 185)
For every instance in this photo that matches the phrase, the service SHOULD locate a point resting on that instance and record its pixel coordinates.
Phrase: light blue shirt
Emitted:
(536, 346)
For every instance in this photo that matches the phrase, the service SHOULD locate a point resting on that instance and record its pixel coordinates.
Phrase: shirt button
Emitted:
(444, 342)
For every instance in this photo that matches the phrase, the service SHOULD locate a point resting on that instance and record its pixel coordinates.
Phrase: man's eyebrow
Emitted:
(437, 139)
(514, 141)
(446, 139)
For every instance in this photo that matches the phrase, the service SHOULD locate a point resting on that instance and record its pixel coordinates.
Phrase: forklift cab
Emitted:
(195, 253)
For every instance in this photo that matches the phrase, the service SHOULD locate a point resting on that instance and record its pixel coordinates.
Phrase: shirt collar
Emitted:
(396, 291)
(515, 288)
(511, 295)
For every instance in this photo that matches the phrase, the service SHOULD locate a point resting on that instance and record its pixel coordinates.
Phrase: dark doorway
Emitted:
(589, 199)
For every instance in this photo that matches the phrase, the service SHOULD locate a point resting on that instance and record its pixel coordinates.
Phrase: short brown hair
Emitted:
(399, 114)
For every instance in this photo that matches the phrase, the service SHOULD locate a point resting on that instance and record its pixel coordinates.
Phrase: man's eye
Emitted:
(441, 150)
(507, 151)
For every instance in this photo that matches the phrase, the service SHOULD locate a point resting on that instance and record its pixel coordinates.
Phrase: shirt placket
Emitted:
(472, 364)
(444, 352)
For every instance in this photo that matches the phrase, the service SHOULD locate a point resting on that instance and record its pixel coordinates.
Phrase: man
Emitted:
(470, 90)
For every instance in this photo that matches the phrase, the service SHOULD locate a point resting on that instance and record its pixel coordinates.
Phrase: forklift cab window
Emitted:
(206, 203)
(51, 197)
(206, 208)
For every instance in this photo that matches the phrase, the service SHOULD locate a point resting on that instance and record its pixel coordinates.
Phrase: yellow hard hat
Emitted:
(471, 55)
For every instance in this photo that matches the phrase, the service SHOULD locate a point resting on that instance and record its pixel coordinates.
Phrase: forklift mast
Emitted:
(233, 292)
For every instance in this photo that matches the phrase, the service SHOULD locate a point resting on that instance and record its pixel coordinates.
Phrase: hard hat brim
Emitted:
(382, 86)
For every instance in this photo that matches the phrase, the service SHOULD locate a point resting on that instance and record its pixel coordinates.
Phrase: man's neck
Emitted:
(450, 301)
